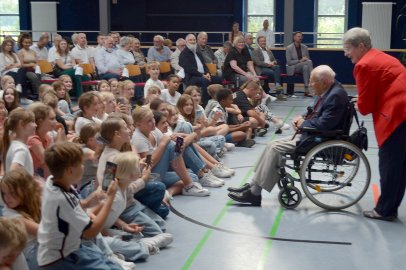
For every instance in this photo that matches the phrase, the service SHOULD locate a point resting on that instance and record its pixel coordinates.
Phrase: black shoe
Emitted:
(244, 187)
(246, 197)
(246, 143)
(374, 215)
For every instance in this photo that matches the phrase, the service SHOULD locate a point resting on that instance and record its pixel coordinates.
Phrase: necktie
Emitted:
(315, 109)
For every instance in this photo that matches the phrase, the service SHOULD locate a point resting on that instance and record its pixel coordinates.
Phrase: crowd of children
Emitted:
(54, 154)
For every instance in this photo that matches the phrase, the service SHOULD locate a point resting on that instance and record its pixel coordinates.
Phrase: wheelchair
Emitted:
(334, 172)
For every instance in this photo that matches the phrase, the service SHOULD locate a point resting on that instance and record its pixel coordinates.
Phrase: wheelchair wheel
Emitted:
(290, 197)
(288, 182)
(335, 174)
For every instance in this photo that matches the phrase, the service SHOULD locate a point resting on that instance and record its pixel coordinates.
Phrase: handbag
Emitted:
(57, 70)
(360, 136)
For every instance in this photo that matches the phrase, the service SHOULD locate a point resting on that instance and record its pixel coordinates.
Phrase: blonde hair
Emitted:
(127, 164)
(44, 89)
(5, 79)
(51, 100)
(12, 233)
(61, 155)
(153, 64)
(140, 113)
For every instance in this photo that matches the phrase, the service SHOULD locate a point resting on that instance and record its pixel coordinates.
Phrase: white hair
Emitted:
(355, 36)
(324, 73)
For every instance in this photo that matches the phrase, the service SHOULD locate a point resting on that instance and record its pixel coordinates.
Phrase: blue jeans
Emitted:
(152, 195)
(132, 250)
(193, 160)
(87, 257)
(272, 72)
(139, 214)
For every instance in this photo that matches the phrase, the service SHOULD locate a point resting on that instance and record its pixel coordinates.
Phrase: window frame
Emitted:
(264, 15)
(9, 32)
(316, 37)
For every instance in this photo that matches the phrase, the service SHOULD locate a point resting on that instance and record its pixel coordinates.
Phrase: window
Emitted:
(331, 22)
(257, 12)
(9, 18)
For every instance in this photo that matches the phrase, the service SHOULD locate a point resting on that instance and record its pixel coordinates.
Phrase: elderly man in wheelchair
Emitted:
(334, 173)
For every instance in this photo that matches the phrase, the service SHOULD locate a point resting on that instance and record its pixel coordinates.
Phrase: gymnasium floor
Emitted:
(215, 233)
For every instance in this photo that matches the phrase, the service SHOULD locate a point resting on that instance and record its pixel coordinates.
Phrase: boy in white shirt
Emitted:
(171, 94)
(63, 220)
(153, 72)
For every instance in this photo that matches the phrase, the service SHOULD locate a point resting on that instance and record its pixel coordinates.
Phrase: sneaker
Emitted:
(246, 143)
(224, 167)
(219, 171)
(292, 96)
(195, 189)
(160, 241)
(229, 146)
(26, 101)
(282, 126)
(278, 88)
(208, 181)
(221, 153)
(260, 132)
(282, 97)
(19, 89)
(125, 265)
(273, 98)
(214, 178)
(151, 245)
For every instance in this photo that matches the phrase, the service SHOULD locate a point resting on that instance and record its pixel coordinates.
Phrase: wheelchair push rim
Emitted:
(335, 175)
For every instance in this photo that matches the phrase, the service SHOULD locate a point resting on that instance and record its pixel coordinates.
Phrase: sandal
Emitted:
(374, 215)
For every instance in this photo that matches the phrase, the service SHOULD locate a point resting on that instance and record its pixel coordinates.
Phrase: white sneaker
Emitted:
(224, 167)
(195, 190)
(125, 265)
(214, 178)
(229, 146)
(26, 101)
(207, 181)
(151, 245)
(161, 240)
(19, 88)
(219, 171)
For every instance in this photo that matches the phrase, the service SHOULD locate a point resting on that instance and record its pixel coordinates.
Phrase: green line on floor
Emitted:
(206, 236)
(268, 245)
(223, 211)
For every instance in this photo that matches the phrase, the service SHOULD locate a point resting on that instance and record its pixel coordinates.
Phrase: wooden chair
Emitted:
(133, 70)
(87, 69)
(212, 69)
(164, 67)
(45, 66)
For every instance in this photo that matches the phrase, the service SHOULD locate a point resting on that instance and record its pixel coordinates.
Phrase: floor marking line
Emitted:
(201, 243)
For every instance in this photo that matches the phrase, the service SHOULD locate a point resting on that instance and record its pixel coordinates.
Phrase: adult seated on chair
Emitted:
(108, 63)
(196, 72)
(52, 50)
(266, 64)
(329, 114)
(204, 49)
(159, 52)
(298, 60)
(180, 45)
(221, 54)
(249, 40)
(238, 66)
(127, 58)
(81, 52)
(40, 47)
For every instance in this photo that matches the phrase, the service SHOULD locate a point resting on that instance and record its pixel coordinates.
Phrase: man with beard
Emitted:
(159, 52)
(196, 72)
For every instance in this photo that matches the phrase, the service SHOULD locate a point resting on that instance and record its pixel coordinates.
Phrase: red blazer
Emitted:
(381, 83)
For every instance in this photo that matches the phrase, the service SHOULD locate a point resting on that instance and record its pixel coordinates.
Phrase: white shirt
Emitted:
(117, 208)
(6, 60)
(18, 152)
(81, 122)
(107, 60)
(52, 54)
(266, 57)
(200, 67)
(84, 54)
(127, 58)
(42, 54)
(108, 154)
(63, 222)
(269, 35)
(167, 97)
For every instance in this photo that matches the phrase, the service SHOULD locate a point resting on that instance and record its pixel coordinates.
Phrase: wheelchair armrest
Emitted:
(326, 133)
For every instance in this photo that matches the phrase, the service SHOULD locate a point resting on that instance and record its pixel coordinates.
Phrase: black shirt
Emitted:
(299, 52)
(241, 58)
(241, 100)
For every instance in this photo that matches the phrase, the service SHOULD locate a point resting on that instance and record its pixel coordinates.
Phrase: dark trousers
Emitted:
(392, 169)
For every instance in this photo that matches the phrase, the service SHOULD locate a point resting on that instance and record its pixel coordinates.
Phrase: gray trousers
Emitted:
(267, 168)
(304, 68)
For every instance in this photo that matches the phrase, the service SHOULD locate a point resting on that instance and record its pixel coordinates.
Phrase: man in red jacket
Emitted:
(381, 83)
